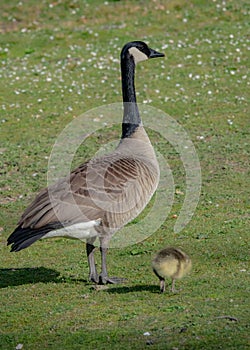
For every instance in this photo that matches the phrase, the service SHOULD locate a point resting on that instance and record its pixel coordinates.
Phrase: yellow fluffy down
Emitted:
(171, 262)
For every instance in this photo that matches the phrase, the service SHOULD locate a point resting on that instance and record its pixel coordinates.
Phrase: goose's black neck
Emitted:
(131, 117)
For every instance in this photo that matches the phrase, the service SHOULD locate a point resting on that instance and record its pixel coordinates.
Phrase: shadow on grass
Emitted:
(132, 289)
(19, 276)
(16, 277)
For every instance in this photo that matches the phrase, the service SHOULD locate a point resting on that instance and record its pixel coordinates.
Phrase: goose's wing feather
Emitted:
(107, 188)
(83, 196)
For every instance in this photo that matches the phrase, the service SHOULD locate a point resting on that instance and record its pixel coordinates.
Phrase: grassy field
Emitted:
(60, 59)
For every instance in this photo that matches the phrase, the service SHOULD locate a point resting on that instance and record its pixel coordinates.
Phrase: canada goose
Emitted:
(171, 262)
(103, 194)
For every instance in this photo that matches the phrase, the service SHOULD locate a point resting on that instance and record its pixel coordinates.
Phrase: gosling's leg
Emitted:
(162, 285)
(93, 276)
(104, 278)
(173, 290)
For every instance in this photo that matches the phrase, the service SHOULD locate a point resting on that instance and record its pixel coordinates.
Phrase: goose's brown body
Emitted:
(103, 194)
(109, 191)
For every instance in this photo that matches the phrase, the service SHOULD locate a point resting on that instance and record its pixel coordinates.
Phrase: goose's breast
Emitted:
(137, 184)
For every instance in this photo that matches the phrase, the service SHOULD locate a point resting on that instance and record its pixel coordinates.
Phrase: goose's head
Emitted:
(139, 51)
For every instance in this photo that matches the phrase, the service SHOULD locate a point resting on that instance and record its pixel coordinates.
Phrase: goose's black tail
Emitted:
(23, 237)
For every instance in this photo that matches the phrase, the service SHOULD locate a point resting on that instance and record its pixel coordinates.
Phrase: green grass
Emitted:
(58, 60)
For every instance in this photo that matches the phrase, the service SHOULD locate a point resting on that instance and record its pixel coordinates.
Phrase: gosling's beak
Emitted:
(154, 54)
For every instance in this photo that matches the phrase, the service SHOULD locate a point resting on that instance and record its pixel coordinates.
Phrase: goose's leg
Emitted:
(90, 248)
(104, 278)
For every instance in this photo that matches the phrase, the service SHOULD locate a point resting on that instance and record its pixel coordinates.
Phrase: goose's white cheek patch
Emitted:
(137, 54)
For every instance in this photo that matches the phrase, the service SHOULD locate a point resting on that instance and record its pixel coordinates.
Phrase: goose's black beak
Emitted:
(154, 54)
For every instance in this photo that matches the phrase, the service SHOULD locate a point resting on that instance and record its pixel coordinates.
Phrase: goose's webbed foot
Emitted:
(94, 278)
(104, 279)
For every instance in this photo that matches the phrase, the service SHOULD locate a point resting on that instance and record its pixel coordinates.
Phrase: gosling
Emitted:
(171, 262)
